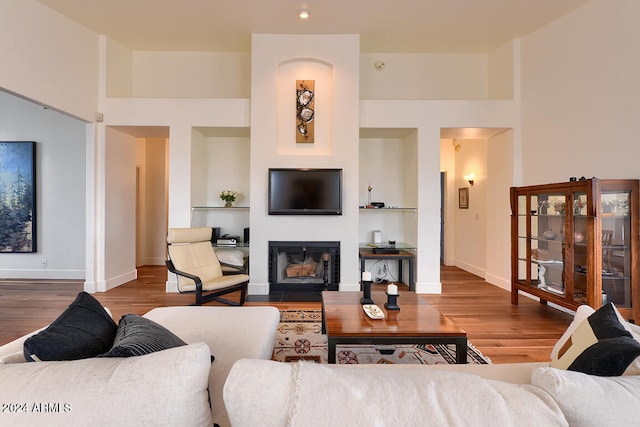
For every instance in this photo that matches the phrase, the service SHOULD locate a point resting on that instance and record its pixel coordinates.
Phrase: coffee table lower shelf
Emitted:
(460, 343)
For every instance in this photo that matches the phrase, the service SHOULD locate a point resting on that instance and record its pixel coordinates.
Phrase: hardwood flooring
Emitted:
(503, 332)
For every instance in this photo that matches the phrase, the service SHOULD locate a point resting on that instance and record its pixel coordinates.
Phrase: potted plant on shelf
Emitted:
(229, 196)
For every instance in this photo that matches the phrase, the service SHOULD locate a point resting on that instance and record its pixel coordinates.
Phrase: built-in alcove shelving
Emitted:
(388, 174)
(220, 161)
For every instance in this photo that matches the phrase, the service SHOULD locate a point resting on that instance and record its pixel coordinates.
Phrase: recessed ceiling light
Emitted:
(303, 14)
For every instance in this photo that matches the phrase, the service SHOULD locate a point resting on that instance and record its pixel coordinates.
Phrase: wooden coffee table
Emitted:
(345, 322)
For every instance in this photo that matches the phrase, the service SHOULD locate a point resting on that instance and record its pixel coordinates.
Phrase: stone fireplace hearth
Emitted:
(301, 266)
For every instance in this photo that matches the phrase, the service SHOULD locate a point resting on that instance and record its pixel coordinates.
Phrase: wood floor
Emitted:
(503, 332)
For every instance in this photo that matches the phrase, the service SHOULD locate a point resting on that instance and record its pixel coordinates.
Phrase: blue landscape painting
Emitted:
(17, 196)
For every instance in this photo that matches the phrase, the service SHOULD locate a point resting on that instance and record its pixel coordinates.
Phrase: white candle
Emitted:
(366, 276)
(392, 289)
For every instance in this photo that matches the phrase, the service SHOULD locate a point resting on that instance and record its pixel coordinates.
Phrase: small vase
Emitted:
(549, 234)
(228, 204)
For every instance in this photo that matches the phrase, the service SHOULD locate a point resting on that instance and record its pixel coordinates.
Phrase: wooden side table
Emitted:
(403, 255)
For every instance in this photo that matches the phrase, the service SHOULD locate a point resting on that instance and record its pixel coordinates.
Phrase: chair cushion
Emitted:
(83, 330)
(600, 345)
(198, 259)
(189, 235)
(138, 336)
(231, 256)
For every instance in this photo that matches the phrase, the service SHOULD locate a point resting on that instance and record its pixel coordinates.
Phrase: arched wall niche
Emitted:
(322, 73)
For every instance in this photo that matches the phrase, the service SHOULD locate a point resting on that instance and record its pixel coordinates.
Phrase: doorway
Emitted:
(443, 183)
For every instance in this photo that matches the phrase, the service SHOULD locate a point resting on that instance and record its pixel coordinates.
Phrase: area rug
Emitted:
(299, 337)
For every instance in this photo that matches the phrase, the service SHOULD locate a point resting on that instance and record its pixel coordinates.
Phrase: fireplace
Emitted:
(304, 266)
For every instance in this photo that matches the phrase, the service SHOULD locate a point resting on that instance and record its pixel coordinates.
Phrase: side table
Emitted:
(403, 255)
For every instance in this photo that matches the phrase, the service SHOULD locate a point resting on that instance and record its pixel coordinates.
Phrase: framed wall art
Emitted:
(305, 94)
(463, 198)
(18, 196)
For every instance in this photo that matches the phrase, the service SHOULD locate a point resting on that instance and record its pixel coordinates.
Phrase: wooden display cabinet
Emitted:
(576, 243)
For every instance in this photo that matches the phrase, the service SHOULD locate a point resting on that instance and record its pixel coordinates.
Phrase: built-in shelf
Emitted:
(389, 209)
(398, 245)
(207, 208)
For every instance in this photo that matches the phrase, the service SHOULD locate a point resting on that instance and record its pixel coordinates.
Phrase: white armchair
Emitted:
(193, 259)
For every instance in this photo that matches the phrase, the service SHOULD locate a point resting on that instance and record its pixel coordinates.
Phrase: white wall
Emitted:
(423, 76)
(119, 209)
(191, 75)
(580, 95)
(220, 163)
(154, 221)
(48, 58)
(501, 70)
(304, 58)
(471, 224)
(60, 189)
(500, 177)
(117, 69)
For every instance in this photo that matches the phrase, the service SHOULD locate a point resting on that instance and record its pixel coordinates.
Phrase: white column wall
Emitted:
(338, 148)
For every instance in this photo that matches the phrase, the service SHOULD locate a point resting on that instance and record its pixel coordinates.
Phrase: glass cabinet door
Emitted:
(547, 238)
(580, 248)
(616, 248)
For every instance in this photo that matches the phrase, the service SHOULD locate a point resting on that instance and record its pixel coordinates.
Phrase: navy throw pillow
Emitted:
(138, 336)
(83, 330)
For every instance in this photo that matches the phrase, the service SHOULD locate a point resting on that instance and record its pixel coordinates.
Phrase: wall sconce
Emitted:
(470, 178)
(303, 14)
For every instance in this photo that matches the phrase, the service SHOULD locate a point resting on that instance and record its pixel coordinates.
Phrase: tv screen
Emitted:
(305, 191)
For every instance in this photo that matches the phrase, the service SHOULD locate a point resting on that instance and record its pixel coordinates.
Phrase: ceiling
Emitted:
(385, 26)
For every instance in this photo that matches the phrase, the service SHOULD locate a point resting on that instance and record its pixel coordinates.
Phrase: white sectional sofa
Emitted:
(174, 386)
(167, 388)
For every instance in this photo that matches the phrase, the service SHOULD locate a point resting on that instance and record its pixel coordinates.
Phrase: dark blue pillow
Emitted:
(138, 336)
(83, 330)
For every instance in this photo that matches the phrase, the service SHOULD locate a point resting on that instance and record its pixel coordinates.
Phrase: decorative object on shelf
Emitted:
(550, 234)
(369, 188)
(541, 254)
(542, 281)
(392, 297)
(366, 288)
(373, 311)
(578, 237)
(577, 206)
(325, 269)
(305, 94)
(463, 198)
(543, 207)
(559, 207)
(228, 196)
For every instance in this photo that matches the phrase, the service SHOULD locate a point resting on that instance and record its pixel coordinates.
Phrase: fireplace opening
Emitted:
(301, 266)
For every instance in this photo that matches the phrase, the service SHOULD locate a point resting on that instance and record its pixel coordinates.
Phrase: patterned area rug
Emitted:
(299, 337)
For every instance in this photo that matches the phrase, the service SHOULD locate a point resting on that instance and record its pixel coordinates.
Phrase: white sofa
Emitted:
(270, 394)
(170, 387)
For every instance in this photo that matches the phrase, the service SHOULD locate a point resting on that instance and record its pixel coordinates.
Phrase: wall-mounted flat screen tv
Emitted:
(305, 191)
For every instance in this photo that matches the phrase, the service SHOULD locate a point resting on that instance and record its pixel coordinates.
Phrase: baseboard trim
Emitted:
(498, 281)
(45, 273)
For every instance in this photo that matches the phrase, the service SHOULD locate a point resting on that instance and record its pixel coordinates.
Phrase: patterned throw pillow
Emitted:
(138, 336)
(600, 345)
(83, 330)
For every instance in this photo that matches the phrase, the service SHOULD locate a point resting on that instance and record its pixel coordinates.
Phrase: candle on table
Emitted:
(366, 276)
(392, 289)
